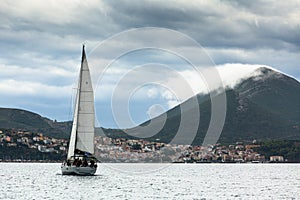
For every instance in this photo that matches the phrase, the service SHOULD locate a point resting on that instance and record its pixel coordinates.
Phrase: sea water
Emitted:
(152, 181)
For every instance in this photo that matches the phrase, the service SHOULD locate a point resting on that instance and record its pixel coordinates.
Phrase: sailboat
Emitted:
(80, 159)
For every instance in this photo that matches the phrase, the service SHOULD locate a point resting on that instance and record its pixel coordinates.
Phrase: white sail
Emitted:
(82, 135)
(71, 150)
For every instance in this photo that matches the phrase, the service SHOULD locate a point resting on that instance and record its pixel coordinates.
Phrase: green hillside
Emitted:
(25, 120)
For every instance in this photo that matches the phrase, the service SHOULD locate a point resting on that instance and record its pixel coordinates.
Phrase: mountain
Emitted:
(22, 119)
(264, 106)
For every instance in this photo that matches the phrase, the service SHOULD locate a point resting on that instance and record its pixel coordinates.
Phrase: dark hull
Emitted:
(81, 171)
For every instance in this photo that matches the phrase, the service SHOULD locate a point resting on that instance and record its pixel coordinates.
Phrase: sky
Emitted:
(145, 56)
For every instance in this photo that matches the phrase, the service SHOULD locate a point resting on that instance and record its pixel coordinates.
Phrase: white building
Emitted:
(276, 158)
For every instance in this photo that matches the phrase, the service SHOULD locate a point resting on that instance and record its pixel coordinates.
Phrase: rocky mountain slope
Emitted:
(264, 106)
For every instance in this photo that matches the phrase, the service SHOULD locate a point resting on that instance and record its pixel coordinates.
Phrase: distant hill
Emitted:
(262, 107)
(21, 119)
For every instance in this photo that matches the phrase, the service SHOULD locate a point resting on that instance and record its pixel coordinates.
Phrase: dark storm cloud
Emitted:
(214, 24)
(40, 43)
(226, 24)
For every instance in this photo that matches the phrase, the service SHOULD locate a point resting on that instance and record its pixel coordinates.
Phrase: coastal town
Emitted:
(18, 145)
(123, 150)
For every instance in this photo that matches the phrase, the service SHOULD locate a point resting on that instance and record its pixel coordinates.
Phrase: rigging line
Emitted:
(71, 107)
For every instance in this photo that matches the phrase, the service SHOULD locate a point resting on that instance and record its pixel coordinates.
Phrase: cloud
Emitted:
(155, 110)
(152, 93)
(48, 75)
(233, 74)
(41, 45)
(170, 98)
(59, 28)
(12, 87)
(216, 24)
(54, 102)
(170, 86)
(230, 75)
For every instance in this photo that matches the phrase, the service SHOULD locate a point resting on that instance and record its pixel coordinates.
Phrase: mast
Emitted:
(78, 96)
(82, 134)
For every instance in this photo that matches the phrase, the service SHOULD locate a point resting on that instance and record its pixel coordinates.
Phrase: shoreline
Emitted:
(53, 161)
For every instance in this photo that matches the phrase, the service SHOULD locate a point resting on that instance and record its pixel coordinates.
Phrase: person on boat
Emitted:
(85, 163)
(75, 161)
(79, 163)
(92, 163)
(68, 163)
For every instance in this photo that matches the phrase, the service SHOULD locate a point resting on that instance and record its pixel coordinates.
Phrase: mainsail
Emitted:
(82, 135)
